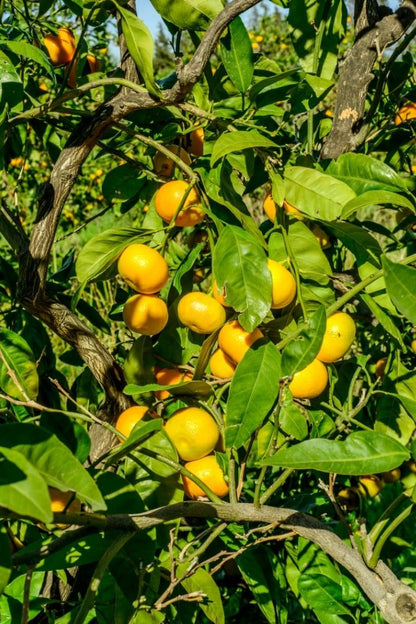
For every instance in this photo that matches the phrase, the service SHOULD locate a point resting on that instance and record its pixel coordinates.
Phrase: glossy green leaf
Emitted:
(306, 251)
(102, 250)
(237, 141)
(358, 240)
(27, 50)
(188, 14)
(316, 194)
(122, 183)
(375, 198)
(198, 389)
(302, 350)
(18, 372)
(237, 55)
(383, 318)
(139, 363)
(202, 581)
(401, 287)
(5, 558)
(11, 87)
(322, 593)
(140, 45)
(292, 421)
(53, 460)
(364, 173)
(240, 267)
(254, 389)
(23, 491)
(362, 452)
(142, 431)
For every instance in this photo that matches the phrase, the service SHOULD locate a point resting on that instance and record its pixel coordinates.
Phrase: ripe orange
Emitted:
(269, 207)
(321, 236)
(60, 47)
(221, 366)
(405, 112)
(338, 338)
(127, 419)
(200, 312)
(309, 382)
(60, 503)
(380, 367)
(209, 471)
(93, 64)
(194, 142)
(348, 498)
(235, 341)
(219, 295)
(145, 314)
(165, 166)
(168, 199)
(289, 209)
(283, 285)
(169, 376)
(193, 432)
(413, 346)
(143, 268)
(391, 476)
(370, 485)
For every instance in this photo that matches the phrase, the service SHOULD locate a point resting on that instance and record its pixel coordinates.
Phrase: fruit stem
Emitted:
(276, 485)
(231, 479)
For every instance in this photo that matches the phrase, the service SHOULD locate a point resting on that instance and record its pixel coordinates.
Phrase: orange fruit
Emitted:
(380, 367)
(219, 295)
(309, 382)
(193, 432)
(369, 485)
(194, 142)
(60, 47)
(200, 312)
(321, 236)
(165, 166)
(209, 471)
(289, 209)
(413, 346)
(60, 502)
(391, 476)
(338, 338)
(221, 366)
(168, 199)
(348, 498)
(283, 285)
(236, 341)
(269, 207)
(143, 268)
(93, 64)
(405, 112)
(127, 419)
(169, 376)
(145, 314)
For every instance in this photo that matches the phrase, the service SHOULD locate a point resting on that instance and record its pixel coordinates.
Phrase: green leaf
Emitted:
(364, 173)
(101, 251)
(375, 198)
(383, 318)
(53, 460)
(237, 55)
(139, 363)
(18, 372)
(316, 194)
(122, 183)
(254, 389)
(362, 452)
(141, 432)
(198, 389)
(401, 287)
(5, 559)
(23, 491)
(240, 267)
(11, 87)
(237, 141)
(361, 243)
(140, 45)
(322, 592)
(201, 580)
(302, 350)
(27, 50)
(293, 421)
(188, 14)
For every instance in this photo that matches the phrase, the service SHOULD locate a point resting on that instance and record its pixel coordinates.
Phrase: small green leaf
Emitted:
(383, 318)
(139, 42)
(5, 559)
(188, 14)
(361, 243)
(18, 372)
(316, 194)
(27, 50)
(122, 183)
(240, 266)
(202, 581)
(302, 350)
(237, 141)
(293, 421)
(237, 55)
(254, 389)
(401, 287)
(375, 198)
(362, 452)
(322, 593)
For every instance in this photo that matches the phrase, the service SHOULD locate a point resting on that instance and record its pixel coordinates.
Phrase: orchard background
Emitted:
(308, 105)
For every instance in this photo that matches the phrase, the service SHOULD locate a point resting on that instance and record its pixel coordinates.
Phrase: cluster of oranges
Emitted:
(61, 49)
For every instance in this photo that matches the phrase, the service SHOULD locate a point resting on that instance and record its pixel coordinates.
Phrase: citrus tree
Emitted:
(208, 295)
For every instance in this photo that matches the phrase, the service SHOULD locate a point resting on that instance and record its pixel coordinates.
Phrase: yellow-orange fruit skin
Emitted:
(283, 285)
(60, 47)
(391, 476)
(269, 207)
(235, 341)
(201, 312)
(59, 503)
(209, 471)
(338, 338)
(143, 268)
(219, 295)
(309, 382)
(128, 418)
(195, 142)
(168, 199)
(165, 166)
(169, 376)
(221, 366)
(370, 485)
(405, 113)
(193, 432)
(145, 314)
